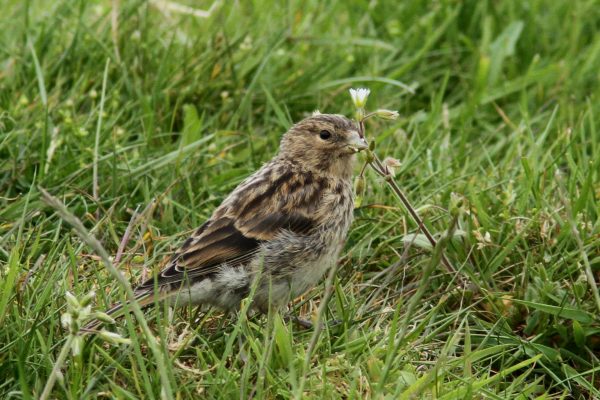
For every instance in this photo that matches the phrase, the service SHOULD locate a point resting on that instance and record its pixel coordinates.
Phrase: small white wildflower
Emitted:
(387, 114)
(93, 94)
(359, 96)
(487, 237)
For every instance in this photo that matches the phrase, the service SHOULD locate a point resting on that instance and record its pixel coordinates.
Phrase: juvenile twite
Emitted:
(284, 225)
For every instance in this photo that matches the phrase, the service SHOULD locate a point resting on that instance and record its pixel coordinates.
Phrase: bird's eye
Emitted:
(324, 135)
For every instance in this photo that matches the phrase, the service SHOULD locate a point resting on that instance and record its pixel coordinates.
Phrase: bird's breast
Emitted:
(337, 209)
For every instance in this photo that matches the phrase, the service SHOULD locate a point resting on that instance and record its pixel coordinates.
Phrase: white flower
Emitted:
(359, 96)
(387, 114)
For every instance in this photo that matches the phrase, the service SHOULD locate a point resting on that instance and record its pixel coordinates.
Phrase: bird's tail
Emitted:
(144, 298)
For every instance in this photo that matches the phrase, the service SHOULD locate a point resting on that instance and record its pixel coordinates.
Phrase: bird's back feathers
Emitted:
(277, 197)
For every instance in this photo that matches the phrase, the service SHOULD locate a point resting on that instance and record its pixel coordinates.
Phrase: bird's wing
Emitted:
(227, 240)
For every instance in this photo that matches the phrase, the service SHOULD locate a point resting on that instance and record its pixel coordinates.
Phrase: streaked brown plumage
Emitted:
(285, 224)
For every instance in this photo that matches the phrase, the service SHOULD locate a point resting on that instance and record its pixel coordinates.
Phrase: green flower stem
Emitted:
(381, 170)
(64, 352)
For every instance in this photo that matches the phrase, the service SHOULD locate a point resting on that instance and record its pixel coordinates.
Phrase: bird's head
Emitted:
(323, 143)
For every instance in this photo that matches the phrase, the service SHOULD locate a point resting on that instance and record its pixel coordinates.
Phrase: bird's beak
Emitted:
(356, 143)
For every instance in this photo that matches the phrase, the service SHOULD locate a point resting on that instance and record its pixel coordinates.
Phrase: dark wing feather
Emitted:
(265, 227)
(226, 240)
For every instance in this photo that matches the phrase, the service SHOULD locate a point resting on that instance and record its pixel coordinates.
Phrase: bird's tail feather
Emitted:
(144, 298)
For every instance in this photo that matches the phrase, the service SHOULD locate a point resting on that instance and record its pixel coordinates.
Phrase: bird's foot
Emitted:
(306, 324)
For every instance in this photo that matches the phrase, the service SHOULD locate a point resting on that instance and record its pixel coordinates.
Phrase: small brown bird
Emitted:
(284, 225)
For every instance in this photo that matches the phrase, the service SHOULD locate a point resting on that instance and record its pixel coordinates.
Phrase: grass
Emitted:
(115, 106)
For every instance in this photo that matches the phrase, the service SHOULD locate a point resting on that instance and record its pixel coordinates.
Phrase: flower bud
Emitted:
(104, 317)
(72, 301)
(359, 190)
(359, 184)
(66, 320)
(113, 337)
(60, 378)
(387, 114)
(391, 164)
(76, 345)
(87, 299)
(456, 204)
(84, 313)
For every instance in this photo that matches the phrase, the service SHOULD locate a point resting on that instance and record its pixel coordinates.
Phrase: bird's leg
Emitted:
(306, 324)
(301, 322)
